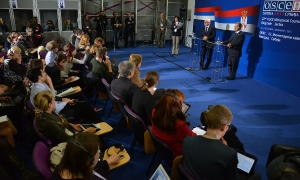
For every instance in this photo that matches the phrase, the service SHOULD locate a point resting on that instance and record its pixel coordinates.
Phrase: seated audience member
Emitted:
(79, 161)
(52, 48)
(101, 65)
(7, 131)
(72, 38)
(230, 136)
(68, 26)
(10, 162)
(50, 124)
(59, 42)
(208, 156)
(41, 48)
(91, 56)
(7, 44)
(78, 34)
(144, 101)
(54, 68)
(29, 40)
(83, 43)
(27, 25)
(169, 124)
(18, 40)
(70, 53)
(123, 87)
(137, 60)
(69, 108)
(99, 42)
(14, 70)
(50, 26)
(3, 27)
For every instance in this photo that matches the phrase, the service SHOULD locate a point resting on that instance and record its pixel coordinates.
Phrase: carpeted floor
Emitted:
(263, 115)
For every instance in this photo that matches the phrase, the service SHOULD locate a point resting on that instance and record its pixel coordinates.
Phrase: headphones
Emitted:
(173, 95)
(76, 143)
(10, 52)
(117, 145)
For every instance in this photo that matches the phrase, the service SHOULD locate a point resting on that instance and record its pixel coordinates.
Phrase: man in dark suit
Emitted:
(234, 44)
(101, 21)
(116, 24)
(129, 29)
(207, 33)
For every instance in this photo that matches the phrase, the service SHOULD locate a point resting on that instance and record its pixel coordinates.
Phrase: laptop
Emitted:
(160, 174)
(245, 165)
(114, 61)
(185, 108)
(12, 102)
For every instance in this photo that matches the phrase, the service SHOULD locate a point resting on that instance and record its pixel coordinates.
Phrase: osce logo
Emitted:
(278, 5)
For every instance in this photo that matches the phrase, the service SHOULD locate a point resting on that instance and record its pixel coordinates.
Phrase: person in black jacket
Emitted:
(37, 31)
(101, 24)
(234, 44)
(129, 29)
(176, 33)
(116, 24)
(207, 33)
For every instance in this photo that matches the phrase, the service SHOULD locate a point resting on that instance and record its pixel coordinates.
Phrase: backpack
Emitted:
(285, 167)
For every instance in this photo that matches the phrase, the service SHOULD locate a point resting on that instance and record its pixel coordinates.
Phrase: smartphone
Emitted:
(121, 156)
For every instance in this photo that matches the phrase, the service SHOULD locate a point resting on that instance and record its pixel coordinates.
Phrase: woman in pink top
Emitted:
(169, 124)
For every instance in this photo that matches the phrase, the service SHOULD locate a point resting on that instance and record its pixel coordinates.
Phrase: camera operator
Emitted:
(101, 24)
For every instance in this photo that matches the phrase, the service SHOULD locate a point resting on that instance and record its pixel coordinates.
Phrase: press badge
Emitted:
(87, 27)
(26, 52)
(161, 24)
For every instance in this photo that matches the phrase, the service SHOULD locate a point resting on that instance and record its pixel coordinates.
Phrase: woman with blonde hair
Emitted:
(50, 124)
(169, 124)
(84, 42)
(68, 26)
(137, 59)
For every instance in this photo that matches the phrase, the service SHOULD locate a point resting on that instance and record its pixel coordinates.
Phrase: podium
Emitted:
(195, 54)
(217, 63)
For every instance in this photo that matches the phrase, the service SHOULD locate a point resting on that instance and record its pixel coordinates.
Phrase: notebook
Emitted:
(160, 174)
(245, 165)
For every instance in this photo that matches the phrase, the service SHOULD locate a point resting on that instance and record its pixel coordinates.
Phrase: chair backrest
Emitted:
(40, 159)
(108, 88)
(46, 140)
(121, 103)
(278, 149)
(43, 54)
(162, 148)
(137, 125)
(3, 54)
(182, 172)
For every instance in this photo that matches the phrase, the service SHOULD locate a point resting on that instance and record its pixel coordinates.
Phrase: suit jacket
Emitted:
(129, 27)
(116, 21)
(178, 32)
(236, 41)
(163, 22)
(211, 34)
(101, 23)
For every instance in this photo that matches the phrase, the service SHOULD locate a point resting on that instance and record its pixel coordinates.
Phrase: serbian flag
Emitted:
(225, 20)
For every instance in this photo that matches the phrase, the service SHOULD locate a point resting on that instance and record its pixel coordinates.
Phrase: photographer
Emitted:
(101, 24)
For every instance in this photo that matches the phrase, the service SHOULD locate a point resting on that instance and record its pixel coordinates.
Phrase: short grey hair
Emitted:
(125, 68)
(28, 29)
(207, 20)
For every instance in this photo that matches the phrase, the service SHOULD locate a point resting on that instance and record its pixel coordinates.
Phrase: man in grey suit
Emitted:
(207, 34)
(234, 44)
(161, 25)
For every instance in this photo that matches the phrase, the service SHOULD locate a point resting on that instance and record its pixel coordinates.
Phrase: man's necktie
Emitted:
(206, 29)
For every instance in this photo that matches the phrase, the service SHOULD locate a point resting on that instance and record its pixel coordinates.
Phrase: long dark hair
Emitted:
(151, 78)
(76, 160)
(168, 110)
(58, 58)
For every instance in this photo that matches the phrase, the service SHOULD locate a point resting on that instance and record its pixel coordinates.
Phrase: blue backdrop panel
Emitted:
(270, 52)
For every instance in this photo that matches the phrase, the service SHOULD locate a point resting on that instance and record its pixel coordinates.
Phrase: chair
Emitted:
(138, 127)
(46, 140)
(108, 89)
(43, 54)
(40, 159)
(178, 172)
(121, 103)
(162, 148)
(3, 54)
(277, 150)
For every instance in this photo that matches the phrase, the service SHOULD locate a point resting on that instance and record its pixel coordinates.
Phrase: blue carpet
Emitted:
(263, 115)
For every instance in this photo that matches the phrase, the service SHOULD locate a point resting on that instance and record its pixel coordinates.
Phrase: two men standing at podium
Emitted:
(207, 34)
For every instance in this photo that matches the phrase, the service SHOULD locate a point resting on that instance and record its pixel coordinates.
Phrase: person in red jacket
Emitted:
(169, 124)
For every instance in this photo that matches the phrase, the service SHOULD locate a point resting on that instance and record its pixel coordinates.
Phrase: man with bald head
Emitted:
(207, 34)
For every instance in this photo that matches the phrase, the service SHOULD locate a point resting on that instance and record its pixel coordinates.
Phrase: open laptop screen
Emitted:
(245, 163)
(185, 107)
